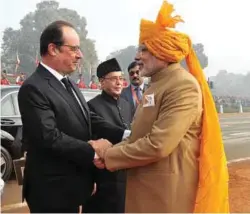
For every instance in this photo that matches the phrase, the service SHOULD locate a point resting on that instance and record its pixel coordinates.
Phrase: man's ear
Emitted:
(52, 49)
(101, 81)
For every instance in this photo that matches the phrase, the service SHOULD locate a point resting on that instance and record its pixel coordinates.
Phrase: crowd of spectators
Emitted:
(230, 101)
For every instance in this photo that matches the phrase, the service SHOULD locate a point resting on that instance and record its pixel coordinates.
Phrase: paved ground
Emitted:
(239, 187)
(236, 135)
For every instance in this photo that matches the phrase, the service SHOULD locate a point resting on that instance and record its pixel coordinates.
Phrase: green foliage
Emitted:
(26, 39)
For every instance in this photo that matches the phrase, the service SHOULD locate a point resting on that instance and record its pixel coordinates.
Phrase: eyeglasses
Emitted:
(72, 48)
(114, 79)
(132, 73)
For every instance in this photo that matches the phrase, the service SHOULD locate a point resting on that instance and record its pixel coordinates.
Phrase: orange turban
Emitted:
(171, 46)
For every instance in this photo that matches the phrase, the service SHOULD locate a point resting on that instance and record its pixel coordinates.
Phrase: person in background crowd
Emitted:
(4, 80)
(80, 82)
(20, 79)
(133, 93)
(110, 192)
(93, 83)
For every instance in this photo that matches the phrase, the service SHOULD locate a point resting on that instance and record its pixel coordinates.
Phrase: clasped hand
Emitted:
(100, 146)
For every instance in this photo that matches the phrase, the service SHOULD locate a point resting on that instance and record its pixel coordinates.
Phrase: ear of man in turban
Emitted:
(168, 45)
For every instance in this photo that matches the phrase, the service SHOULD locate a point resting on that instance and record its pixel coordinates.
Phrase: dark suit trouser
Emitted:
(36, 208)
(53, 210)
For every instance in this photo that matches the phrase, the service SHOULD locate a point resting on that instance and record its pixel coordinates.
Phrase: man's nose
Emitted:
(138, 56)
(79, 54)
(136, 74)
(118, 83)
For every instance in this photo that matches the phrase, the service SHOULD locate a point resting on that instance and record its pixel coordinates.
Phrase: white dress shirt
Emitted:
(54, 73)
(59, 77)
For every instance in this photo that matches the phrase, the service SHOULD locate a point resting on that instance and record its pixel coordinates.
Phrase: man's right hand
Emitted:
(100, 146)
(99, 163)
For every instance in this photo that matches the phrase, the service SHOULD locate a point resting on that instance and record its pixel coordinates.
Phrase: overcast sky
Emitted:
(221, 25)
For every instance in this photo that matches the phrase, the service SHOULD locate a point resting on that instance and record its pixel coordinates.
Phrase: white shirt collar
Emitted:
(53, 72)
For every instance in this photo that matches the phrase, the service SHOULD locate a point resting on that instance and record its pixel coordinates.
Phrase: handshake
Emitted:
(100, 146)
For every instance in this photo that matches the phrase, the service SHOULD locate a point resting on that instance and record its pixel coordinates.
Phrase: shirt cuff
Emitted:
(96, 156)
(126, 134)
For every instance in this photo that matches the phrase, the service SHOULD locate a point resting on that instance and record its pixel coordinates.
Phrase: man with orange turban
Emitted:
(174, 155)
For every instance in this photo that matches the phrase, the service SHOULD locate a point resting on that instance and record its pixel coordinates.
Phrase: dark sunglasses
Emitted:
(132, 73)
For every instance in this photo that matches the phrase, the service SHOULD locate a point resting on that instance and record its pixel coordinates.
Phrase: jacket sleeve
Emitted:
(39, 119)
(177, 112)
(101, 128)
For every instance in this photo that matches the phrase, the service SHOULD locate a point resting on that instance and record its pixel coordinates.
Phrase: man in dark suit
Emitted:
(133, 93)
(111, 186)
(57, 126)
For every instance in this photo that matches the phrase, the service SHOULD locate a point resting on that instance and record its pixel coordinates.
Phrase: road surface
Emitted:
(236, 136)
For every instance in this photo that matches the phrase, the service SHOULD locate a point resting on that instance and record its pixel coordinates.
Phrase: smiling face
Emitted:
(67, 54)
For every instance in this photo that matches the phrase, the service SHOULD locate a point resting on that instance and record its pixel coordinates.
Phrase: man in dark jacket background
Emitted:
(110, 192)
(133, 93)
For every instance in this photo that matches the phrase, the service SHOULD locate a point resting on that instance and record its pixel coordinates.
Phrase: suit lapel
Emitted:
(82, 100)
(57, 85)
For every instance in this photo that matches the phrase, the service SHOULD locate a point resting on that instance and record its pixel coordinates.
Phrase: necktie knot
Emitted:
(65, 81)
(70, 89)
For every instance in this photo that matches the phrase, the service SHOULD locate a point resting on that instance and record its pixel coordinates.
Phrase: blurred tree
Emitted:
(25, 40)
(199, 50)
(231, 84)
(126, 55)
(223, 83)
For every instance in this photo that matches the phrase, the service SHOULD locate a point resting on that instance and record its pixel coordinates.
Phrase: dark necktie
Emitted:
(69, 88)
